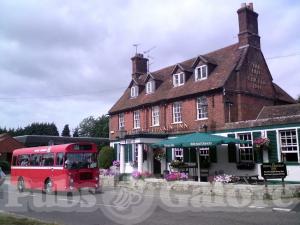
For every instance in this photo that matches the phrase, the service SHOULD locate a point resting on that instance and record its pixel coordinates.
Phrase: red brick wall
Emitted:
(190, 123)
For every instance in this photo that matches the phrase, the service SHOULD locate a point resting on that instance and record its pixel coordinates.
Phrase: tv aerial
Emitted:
(147, 54)
(136, 47)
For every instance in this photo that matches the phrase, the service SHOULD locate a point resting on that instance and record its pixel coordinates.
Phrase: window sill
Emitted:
(155, 125)
(177, 123)
(201, 79)
(206, 118)
(178, 85)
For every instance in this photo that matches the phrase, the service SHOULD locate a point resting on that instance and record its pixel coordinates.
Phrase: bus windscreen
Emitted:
(81, 160)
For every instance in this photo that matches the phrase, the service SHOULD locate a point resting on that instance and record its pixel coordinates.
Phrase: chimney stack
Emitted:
(248, 26)
(139, 64)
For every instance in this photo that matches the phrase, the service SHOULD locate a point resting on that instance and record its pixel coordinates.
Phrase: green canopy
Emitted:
(197, 140)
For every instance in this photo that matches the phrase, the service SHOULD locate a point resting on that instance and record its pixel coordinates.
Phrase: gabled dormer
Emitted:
(203, 67)
(135, 88)
(180, 75)
(150, 84)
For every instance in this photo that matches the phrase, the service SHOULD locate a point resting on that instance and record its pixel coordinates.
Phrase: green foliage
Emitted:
(94, 127)
(106, 157)
(5, 166)
(66, 131)
(33, 129)
(76, 132)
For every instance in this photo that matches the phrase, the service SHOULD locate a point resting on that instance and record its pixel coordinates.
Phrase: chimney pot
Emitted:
(251, 6)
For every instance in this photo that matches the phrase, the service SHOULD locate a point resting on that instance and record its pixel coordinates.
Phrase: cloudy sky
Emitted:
(61, 61)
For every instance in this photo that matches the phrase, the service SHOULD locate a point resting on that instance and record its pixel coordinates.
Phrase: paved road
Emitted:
(123, 206)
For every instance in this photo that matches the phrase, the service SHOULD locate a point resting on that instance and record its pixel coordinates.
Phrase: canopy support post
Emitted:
(198, 162)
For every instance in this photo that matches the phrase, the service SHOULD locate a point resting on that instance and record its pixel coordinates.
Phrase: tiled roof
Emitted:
(268, 112)
(282, 95)
(226, 60)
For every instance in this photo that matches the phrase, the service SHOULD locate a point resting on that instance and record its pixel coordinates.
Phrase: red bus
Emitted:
(66, 167)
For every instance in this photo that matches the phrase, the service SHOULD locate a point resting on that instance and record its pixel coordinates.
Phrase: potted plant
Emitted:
(134, 164)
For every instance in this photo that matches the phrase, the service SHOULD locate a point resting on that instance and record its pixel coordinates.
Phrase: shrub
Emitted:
(5, 166)
(106, 157)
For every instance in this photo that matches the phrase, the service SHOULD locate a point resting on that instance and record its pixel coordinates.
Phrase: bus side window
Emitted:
(48, 159)
(35, 160)
(24, 160)
(59, 159)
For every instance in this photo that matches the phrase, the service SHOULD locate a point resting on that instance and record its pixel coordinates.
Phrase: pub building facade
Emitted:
(216, 92)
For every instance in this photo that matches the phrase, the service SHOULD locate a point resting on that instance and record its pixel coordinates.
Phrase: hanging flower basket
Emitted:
(261, 143)
(159, 154)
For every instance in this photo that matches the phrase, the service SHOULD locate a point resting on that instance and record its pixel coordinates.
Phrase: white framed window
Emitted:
(204, 152)
(134, 91)
(121, 121)
(136, 119)
(202, 108)
(178, 79)
(150, 87)
(201, 72)
(246, 150)
(177, 117)
(178, 153)
(155, 116)
(289, 145)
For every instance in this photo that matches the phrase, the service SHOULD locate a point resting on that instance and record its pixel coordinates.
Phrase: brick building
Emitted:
(7, 145)
(200, 94)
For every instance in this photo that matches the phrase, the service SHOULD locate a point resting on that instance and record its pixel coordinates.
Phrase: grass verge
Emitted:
(13, 220)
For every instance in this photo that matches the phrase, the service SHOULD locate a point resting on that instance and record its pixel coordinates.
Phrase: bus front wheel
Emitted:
(21, 184)
(49, 186)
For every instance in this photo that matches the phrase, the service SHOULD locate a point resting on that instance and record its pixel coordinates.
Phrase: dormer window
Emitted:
(178, 79)
(201, 72)
(150, 87)
(134, 91)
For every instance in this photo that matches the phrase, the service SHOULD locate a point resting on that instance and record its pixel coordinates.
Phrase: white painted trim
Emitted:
(178, 74)
(38, 167)
(196, 72)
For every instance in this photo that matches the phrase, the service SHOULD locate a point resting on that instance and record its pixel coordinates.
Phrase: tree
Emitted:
(298, 99)
(33, 129)
(75, 132)
(106, 157)
(66, 131)
(91, 127)
(41, 129)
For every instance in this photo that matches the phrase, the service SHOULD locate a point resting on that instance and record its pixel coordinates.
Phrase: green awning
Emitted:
(197, 140)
